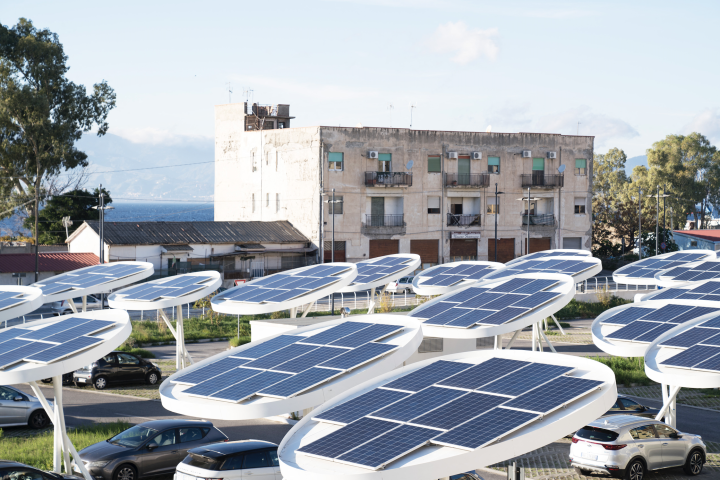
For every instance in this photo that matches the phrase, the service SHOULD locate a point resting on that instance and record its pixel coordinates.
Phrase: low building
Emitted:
(50, 264)
(241, 250)
(24, 247)
(694, 239)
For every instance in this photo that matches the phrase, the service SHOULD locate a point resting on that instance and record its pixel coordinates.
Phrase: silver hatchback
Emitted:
(18, 408)
(626, 446)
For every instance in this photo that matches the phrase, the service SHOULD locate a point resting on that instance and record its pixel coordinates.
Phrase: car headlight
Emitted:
(97, 464)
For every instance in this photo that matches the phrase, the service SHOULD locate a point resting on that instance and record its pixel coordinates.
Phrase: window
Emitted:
(281, 124)
(693, 243)
(337, 207)
(385, 162)
(274, 458)
(8, 393)
(165, 438)
(254, 164)
(492, 206)
(431, 345)
(597, 434)
(434, 164)
(253, 203)
(125, 359)
(643, 433)
(630, 405)
(256, 460)
(580, 205)
(538, 165)
(494, 164)
(277, 202)
(23, 473)
(580, 166)
(267, 199)
(663, 431)
(616, 406)
(232, 463)
(191, 434)
(433, 204)
(486, 342)
(335, 161)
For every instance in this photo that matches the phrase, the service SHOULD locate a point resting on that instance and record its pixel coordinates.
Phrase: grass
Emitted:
(576, 309)
(627, 370)
(37, 451)
(137, 351)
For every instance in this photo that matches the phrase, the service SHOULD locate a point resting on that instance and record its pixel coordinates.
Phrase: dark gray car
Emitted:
(147, 449)
(19, 471)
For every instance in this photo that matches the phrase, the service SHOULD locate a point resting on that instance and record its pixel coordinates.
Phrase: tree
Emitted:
(42, 115)
(76, 204)
(664, 235)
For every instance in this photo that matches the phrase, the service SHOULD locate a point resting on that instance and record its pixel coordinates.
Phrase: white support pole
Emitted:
(497, 345)
(293, 312)
(534, 337)
(668, 408)
(178, 336)
(84, 306)
(72, 305)
(547, 341)
(307, 310)
(371, 304)
(558, 324)
(512, 340)
(60, 422)
(538, 331)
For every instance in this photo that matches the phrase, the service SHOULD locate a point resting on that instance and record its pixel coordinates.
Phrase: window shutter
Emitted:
(433, 164)
(538, 164)
(493, 160)
(433, 202)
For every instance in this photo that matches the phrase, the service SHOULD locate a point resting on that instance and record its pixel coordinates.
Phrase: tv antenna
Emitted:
(391, 108)
(229, 87)
(412, 106)
(578, 129)
(248, 92)
(66, 222)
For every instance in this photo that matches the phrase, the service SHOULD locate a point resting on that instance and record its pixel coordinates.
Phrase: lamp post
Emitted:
(332, 246)
(101, 210)
(497, 211)
(527, 238)
(657, 216)
(640, 225)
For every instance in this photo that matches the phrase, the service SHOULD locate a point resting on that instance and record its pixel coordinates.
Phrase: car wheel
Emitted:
(635, 470)
(694, 464)
(38, 419)
(125, 472)
(46, 380)
(152, 378)
(100, 383)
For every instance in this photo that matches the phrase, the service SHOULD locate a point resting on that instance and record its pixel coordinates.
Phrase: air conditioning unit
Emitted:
(372, 154)
(552, 155)
(476, 155)
(453, 155)
(527, 154)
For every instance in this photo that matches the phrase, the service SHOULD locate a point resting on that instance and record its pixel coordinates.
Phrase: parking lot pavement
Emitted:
(198, 351)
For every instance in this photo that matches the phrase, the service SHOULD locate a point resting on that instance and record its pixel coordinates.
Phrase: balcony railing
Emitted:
(385, 220)
(388, 179)
(548, 219)
(454, 220)
(477, 180)
(542, 180)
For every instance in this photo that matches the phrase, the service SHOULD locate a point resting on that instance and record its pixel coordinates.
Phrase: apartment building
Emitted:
(417, 191)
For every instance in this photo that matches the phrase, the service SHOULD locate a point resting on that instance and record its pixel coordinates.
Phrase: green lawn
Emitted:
(576, 309)
(627, 370)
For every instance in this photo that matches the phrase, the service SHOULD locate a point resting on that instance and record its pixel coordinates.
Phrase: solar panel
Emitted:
(300, 383)
(373, 332)
(459, 411)
(334, 333)
(432, 310)
(512, 285)
(655, 333)
(64, 350)
(669, 294)
(470, 319)
(712, 364)
(268, 347)
(89, 328)
(696, 312)
(704, 271)
(58, 327)
(445, 276)
(536, 299)
(667, 312)
(10, 302)
(359, 356)
(633, 330)
(209, 371)
(627, 316)
(247, 388)
(375, 269)
(281, 356)
(9, 334)
(464, 295)
(418, 404)
(347, 437)
(360, 406)
(553, 395)
(382, 450)
(221, 381)
(690, 337)
(525, 379)
(569, 267)
(503, 316)
(482, 373)
(426, 376)
(692, 356)
(18, 354)
(504, 301)
(485, 428)
(712, 323)
(310, 359)
(448, 316)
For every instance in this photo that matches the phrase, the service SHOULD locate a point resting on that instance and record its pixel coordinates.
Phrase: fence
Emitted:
(361, 300)
(606, 284)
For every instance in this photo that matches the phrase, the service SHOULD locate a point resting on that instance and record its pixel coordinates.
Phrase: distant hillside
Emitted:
(112, 152)
(634, 162)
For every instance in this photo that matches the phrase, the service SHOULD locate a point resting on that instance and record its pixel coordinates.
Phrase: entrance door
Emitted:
(463, 249)
(379, 248)
(427, 249)
(464, 170)
(505, 249)
(538, 244)
(377, 211)
(538, 171)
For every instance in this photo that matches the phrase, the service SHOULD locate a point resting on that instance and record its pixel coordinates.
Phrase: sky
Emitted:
(628, 73)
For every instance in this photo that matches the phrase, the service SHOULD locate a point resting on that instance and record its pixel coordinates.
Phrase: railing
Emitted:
(385, 220)
(548, 219)
(373, 179)
(606, 284)
(542, 180)
(454, 220)
(361, 300)
(467, 180)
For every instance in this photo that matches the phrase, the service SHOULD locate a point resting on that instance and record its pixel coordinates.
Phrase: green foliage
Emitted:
(196, 328)
(37, 451)
(576, 309)
(237, 341)
(626, 370)
(137, 351)
(665, 235)
(76, 204)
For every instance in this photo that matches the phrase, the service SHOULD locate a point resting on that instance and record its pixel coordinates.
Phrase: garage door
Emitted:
(427, 249)
(538, 244)
(572, 242)
(378, 248)
(505, 247)
(339, 251)
(463, 249)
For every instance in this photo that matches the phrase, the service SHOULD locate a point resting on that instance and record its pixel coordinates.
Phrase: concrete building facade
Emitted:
(418, 191)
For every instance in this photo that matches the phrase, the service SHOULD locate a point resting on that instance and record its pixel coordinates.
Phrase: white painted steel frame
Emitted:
(419, 289)
(259, 407)
(431, 463)
(710, 255)
(32, 301)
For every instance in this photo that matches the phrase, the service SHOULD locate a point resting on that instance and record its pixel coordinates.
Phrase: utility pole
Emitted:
(37, 214)
(527, 240)
(497, 211)
(332, 203)
(412, 106)
(640, 225)
(657, 216)
(101, 210)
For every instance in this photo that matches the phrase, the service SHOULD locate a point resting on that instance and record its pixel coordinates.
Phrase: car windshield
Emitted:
(597, 434)
(133, 436)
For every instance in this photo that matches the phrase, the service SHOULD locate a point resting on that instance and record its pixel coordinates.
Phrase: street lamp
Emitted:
(101, 209)
(497, 211)
(332, 247)
(527, 240)
(657, 215)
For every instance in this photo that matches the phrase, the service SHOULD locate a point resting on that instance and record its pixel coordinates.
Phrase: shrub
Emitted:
(576, 309)
(626, 370)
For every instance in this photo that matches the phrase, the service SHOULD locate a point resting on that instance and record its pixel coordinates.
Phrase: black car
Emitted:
(147, 449)
(19, 471)
(626, 406)
(231, 460)
(118, 367)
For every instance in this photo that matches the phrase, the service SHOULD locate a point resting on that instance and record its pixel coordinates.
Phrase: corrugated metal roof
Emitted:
(183, 233)
(49, 262)
(177, 248)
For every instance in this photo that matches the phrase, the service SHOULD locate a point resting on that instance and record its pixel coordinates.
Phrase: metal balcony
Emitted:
(548, 220)
(384, 220)
(542, 180)
(467, 180)
(388, 179)
(454, 220)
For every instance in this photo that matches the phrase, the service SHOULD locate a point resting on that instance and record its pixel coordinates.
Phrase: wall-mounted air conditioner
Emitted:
(453, 155)
(373, 154)
(527, 154)
(476, 155)
(552, 155)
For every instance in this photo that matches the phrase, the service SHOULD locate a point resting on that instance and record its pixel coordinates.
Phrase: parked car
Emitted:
(401, 285)
(19, 409)
(626, 406)
(628, 447)
(231, 460)
(147, 449)
(118, 367)
(67, 379)
(19, 471)
(63, 307)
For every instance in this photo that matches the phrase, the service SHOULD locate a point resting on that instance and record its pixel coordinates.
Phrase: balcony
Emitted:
(380, 226)
(454, 220)
(543, 220)
(467, 180)
(388, 179)
(542, 180)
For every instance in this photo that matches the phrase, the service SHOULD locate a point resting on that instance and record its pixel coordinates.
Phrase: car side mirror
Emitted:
(151, 446)
(18, 399)
(675, 435)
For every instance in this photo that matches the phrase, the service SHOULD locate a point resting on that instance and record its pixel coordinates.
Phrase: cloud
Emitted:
(706, 123)
(157, 136)
(603, 127)
(466, 44)
(313, 91)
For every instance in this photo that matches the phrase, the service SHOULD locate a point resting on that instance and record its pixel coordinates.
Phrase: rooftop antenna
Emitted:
(391, 108)
(412, 106)
(247, 91)
(578, 129)
(229, 87)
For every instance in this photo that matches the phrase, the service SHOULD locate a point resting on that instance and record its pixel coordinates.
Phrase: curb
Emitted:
(683, 404)
(101, 393)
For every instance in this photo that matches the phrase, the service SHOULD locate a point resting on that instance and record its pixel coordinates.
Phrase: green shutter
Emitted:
(335, 157)
(384, 157)
(538, 164)
(433, 164)
(493, 160)
(580, 163)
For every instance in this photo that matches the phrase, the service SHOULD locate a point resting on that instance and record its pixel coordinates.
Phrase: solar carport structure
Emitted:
(48, 349)
(560, 252)
(18, 300)
(294, 371)
(455, 413)
(447, 277)
(644, 271)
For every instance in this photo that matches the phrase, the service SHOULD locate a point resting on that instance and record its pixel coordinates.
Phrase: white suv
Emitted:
(402, 285)
(626, 446)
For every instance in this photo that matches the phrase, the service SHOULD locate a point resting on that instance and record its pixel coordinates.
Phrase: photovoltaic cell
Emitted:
(464, 295)
(372, 333)
(655, 333)
(447, 316)
(482, 373)
(667, 312)
(692, 356)
(382, 450)
(459, 411)
(485, 428)
(10, 333)
(211, 370)
(219, 382)
(360, 406)
(58, 327)
(300, 383)
(310, 359)
(690, 337)
(89, 328)
(418, 404)
(696, 312)
(536, 299)
(512, 285)
(633, 330)
(426, 376)
(503, 316)
(347, 437)
(554, 394)
(280, 356)
(64, 350)
(247, 388)
(504, 301)
(359, 356)
(536, 286)
(10, 302)
(525, 379)
(11, 357)
(712, 364)
(669, 294)
(712, 323)
(268, 346)
(432, 310)
(470, 319)
(335, 333)
(627, 316)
